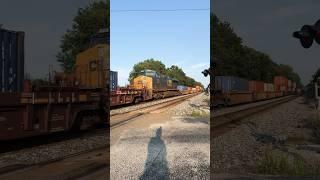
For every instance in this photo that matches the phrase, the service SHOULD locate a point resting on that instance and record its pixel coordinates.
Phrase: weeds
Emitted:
(278, 164)
(316, 127)
(272, 164)
(199, 114)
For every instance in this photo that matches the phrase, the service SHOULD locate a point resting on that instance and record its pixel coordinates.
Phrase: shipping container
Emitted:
(199, 89)
(268, 87)
(256, 86)
(283, 88)
(182, 88)
(289, 85)
(20, 59)
(27, 87)
(231, 83)
(280, 83)
(113, 80)
(294, 86)
(11, 61)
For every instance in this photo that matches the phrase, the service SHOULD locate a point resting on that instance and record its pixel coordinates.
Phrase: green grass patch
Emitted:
(195, 113)
(316, 127)
(277, 163)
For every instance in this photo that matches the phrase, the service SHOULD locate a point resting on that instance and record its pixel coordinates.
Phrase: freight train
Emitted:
(231, 90)
(76, 100)
(148, 85)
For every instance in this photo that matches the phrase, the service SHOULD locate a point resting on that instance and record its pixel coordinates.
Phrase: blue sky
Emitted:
(176, 38)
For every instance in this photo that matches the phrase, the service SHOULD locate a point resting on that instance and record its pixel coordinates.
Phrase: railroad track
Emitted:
(30, 142)
(144, 105)
(224, 120)
(74, 166)
(121, 119)
(87, 168)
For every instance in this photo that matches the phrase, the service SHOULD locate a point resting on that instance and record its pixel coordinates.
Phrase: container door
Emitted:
(6, 52)
(1, 62)
(20, 61)
(13, 63)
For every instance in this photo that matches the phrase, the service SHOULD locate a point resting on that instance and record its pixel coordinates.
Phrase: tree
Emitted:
(236, 59)
(177, 73)
(87, 23)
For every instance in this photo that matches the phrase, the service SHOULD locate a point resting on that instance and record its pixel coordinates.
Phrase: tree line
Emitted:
(172, 71)
(235, 59)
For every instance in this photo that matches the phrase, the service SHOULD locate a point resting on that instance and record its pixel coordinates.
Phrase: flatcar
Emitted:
(44, 112)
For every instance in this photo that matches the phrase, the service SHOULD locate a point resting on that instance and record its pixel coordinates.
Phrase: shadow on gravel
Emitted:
(156, 165)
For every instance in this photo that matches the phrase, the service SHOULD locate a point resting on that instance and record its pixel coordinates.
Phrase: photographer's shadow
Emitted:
(156, 165)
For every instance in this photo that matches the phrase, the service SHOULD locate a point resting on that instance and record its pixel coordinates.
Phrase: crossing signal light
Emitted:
(308, 34)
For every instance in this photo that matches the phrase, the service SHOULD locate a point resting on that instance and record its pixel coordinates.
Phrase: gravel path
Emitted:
(53, 151)
(195, 106)
(239, 150)
(178, 148)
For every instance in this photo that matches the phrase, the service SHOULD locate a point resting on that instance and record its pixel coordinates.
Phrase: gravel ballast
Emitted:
(52, 151)
(175, 149)
(241, 149)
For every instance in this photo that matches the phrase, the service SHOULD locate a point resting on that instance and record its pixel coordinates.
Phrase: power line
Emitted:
(159, 10)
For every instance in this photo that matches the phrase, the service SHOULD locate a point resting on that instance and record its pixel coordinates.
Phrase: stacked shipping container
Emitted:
(256, 86)
(280, 83)
(268, 87)
(11, 61)
(289, 85)
(231, 83)
(113, 80)
(182, 88)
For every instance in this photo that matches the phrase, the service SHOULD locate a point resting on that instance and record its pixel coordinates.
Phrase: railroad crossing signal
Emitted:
(308, 34)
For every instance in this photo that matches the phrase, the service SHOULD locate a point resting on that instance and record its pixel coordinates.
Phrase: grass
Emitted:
(316, 127)
(277, 163)
(195, 113)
